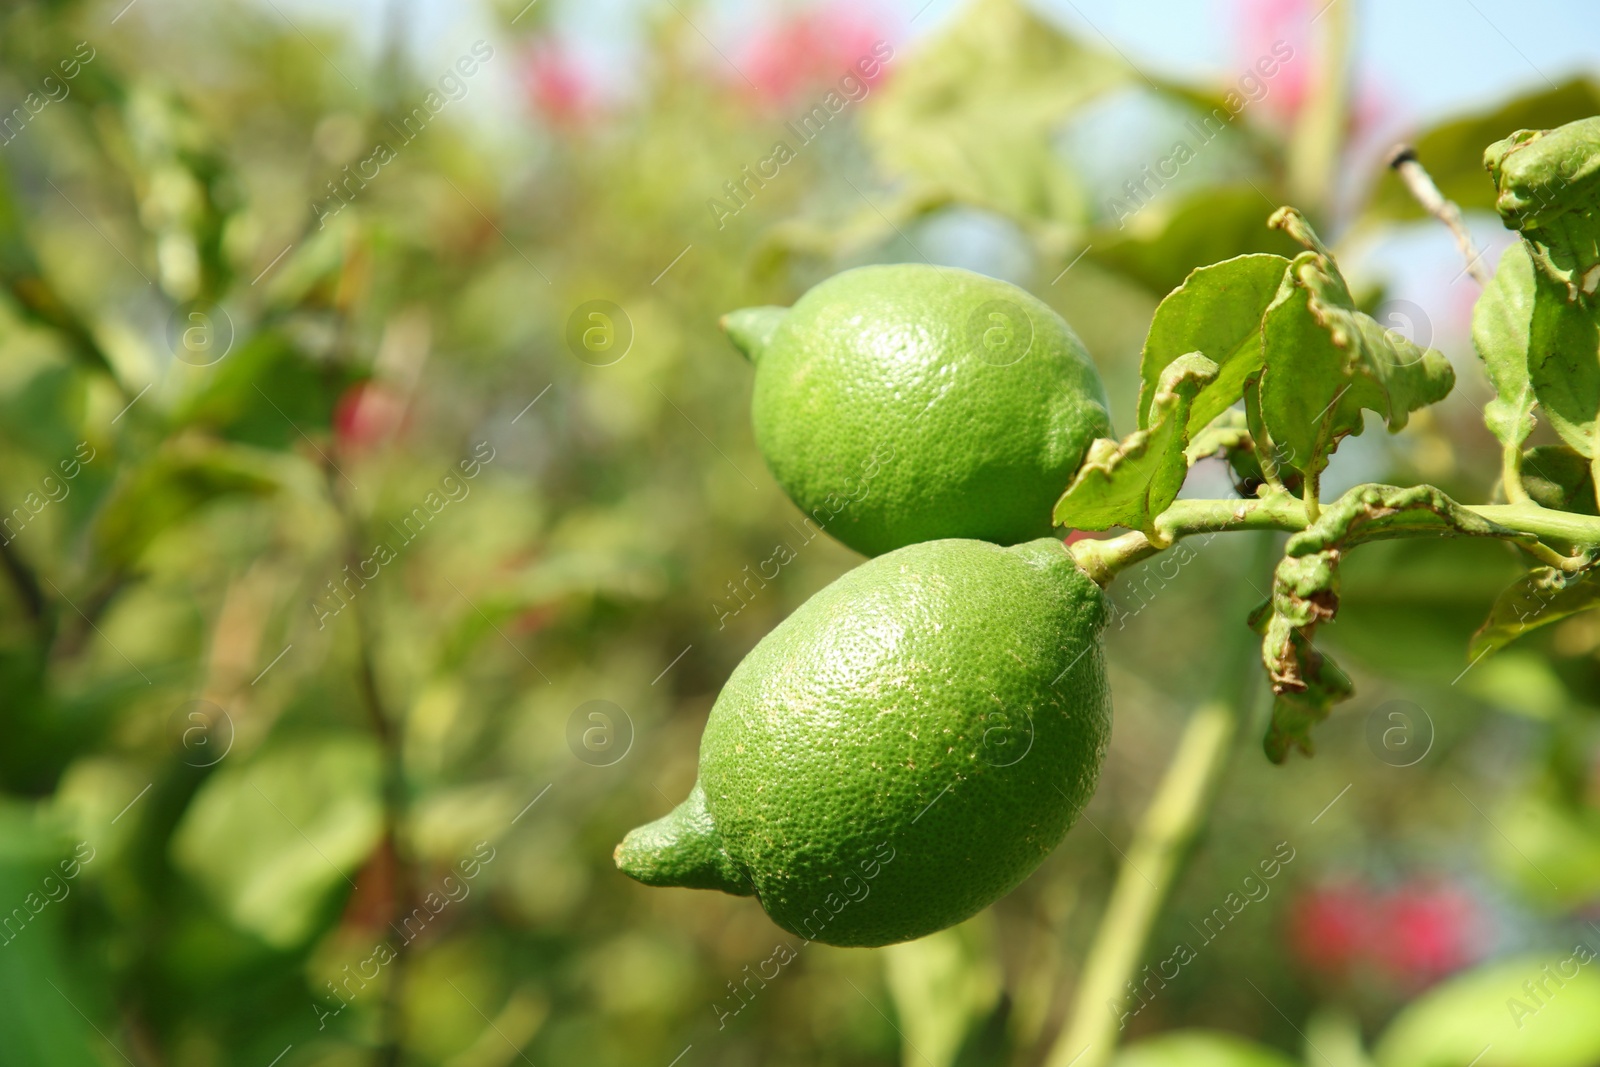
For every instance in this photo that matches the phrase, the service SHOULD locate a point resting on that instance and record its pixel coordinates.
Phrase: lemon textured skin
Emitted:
(906, 403)
(903, 749)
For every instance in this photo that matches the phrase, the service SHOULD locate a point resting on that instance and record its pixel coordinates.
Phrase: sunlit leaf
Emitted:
(174, 484)
(1216, 312)
(1548, 189)
(1326, 361)
(1555, 861)
(1500, 323)
(945, 988)
(1128, 483)
(971, 112)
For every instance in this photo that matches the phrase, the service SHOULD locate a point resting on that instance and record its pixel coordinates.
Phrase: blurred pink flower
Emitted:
(1330, 927)
(1262, 24)
(1413, 935)
(1428, 931)
(556, 85)
(808, 48)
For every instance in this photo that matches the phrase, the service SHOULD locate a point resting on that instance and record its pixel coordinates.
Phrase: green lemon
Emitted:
(902, 750)
(906, 403)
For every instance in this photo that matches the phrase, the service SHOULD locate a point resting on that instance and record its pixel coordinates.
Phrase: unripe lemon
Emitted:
(906, 403)
(902, 750)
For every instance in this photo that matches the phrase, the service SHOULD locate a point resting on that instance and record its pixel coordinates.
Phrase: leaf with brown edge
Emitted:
(1305, 683)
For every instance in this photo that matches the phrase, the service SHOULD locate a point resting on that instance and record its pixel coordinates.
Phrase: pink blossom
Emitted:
(555, 83)
(810, 48)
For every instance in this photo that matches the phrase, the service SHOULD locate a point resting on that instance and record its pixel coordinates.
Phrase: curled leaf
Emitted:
(1227, 435)
(1547, 185)
(1128, 483)
(1343, 521)
(1305, 683)
(1326, 361)
(1305, 594)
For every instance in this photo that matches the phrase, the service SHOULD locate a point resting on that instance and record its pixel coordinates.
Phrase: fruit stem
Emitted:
(1101, 1006)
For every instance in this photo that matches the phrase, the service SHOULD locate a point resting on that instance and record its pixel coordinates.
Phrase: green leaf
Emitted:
(1216, 312)
(272, 841)
(1564, 366)
(1487, 1017)
(1542, 596)
(1557, 477)
(971, 114)
(1548, 189)
(1326, 360)
(1131, 482)
(1453, 151)
(1200, 1048)
(1171, 236)
(1500, 323)
(23, 278)
(842, 237)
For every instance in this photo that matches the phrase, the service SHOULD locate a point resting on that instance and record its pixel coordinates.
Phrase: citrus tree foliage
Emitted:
(330, 571)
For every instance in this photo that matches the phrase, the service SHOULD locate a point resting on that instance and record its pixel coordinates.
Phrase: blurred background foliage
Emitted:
(322, 536)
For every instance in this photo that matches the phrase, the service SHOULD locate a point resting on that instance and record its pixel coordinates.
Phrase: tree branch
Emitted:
(1558, 538)
(1403, 160)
